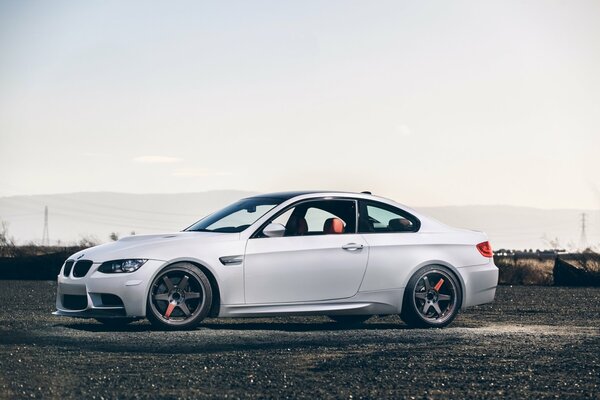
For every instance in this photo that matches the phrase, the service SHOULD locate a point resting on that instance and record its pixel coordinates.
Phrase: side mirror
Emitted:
(274, 230)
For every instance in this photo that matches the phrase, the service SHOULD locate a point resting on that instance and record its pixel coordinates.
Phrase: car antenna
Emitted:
(366, 192)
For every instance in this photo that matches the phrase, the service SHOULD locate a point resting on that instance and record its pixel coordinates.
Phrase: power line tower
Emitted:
(45, 235)
(583, 238)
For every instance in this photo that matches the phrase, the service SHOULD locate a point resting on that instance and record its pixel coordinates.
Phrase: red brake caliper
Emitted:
(170, 310)
(438, 285)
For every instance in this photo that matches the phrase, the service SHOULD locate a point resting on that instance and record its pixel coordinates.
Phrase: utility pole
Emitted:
(45, 235)
(583, 238)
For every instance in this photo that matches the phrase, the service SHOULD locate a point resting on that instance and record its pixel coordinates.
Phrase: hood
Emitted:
(148, 246)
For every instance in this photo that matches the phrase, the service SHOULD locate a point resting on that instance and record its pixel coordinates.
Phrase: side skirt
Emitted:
(363, 303)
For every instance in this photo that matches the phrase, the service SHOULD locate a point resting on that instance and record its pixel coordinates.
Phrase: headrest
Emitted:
(333, 225)
(400, 225)
(296, 225)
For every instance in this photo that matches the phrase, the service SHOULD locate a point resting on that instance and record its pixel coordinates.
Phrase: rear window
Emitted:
(381, 218)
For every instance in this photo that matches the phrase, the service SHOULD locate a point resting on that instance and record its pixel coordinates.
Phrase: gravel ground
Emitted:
(532, 342)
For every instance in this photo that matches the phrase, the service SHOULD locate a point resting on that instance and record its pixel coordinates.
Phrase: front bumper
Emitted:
(100, 295)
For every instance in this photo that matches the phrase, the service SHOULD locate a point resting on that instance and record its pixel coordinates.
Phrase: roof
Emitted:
(292, 194)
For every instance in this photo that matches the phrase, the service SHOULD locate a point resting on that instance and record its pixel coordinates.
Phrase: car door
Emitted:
(307, 266)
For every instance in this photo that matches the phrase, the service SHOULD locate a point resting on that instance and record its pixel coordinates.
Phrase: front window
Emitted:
(236, 217)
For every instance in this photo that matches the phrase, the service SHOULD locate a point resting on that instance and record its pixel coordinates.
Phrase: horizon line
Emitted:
(265, 192)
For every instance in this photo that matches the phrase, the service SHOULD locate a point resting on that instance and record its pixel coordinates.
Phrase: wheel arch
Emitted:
(441, 263)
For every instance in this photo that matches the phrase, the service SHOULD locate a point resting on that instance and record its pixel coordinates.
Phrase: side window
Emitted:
(316, 217)
(319, 217)
(380, 218)
(283, 218)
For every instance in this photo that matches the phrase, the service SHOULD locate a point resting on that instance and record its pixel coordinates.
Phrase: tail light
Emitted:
(485, 249)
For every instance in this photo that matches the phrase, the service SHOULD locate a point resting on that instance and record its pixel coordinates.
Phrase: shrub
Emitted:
(524, 270)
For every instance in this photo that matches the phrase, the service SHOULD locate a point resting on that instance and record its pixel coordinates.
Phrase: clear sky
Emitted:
(430, 103)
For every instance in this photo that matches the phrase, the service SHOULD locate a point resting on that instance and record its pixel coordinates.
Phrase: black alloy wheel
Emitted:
(180, 297)
(432, 298)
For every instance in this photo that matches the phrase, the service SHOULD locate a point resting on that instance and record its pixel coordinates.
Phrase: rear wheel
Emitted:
(432, 298)
(180, 297)
(350, 319)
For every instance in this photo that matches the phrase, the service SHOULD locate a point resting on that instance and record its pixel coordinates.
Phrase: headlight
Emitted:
(120, 266)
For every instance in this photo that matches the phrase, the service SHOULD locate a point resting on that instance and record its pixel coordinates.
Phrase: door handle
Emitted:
(352, 246)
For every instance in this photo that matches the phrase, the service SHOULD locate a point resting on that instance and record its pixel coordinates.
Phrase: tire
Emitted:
(180, 297)
(116, 322)
(432, 298)
(349, 320)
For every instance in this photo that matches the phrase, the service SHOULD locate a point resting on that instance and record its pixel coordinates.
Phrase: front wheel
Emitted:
(432, 298)
(180, 297)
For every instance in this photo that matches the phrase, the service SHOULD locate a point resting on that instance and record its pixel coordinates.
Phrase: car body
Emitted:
(345, 255)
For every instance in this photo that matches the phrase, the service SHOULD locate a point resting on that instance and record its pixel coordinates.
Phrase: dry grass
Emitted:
(585, 261)
(525, 270)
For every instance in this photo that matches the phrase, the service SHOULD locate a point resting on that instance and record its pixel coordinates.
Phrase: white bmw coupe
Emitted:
(345, 255)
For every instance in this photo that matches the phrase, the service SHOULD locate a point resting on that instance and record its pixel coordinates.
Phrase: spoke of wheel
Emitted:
(436, 307)
(183, 284)
(185, 309)
(168, 283)
(426, 307)
(421, 295)
(192, 295)
(170, 310)
(438, 285)
(161, 296)
(444, 297)
(427, 285)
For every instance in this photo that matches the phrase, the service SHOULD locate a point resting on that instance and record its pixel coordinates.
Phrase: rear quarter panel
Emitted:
(395, 257)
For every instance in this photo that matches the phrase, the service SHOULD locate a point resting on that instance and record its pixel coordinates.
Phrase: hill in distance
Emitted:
(73, 216)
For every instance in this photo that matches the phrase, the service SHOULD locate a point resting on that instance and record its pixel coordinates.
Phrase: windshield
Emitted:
(236, 217)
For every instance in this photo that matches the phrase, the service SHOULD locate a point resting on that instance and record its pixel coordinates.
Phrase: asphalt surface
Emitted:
(532, 342)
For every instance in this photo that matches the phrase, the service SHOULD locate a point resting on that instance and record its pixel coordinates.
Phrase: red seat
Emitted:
(333, 225)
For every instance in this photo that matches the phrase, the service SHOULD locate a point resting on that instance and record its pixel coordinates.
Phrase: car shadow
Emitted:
(241, 326)
(221, 335)
(300, 327)
(98, 327)
(214, 337)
